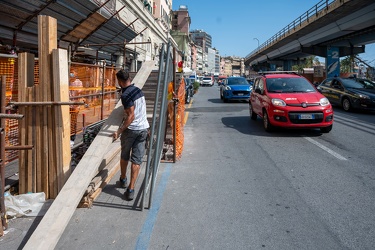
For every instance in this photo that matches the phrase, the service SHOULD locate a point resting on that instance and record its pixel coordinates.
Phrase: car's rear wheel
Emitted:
(346, 105)
(326, 129)
(266, 122)
(253, 115)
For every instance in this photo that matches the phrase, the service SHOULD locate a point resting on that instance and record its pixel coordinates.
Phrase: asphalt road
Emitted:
(239, 187)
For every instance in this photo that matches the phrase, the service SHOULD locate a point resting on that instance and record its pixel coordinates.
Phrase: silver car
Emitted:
(207, 81)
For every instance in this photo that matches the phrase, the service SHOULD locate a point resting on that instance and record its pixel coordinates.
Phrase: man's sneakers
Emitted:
(123, 182)
(129, 194)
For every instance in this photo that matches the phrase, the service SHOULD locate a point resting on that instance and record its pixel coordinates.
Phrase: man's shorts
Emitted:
(133, 141)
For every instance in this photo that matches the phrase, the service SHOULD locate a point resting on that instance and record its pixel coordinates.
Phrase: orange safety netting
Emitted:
(87, 83)
(180, 115)
(8, 68)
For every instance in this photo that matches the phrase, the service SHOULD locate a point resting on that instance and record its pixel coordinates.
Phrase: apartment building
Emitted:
(180, 32)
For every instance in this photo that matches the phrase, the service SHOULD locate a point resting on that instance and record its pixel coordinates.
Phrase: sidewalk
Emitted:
(107, 208)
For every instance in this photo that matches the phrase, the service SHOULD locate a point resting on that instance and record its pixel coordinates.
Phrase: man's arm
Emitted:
(129, 117)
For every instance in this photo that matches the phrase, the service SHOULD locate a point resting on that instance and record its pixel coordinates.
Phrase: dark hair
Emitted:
(123, 74)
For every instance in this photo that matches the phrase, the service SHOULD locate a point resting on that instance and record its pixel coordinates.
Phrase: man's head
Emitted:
(123, 77)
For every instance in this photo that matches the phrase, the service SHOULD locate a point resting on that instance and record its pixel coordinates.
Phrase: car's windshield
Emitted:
(289, 85)
(237, 81)
(207, 78)
(358, 84)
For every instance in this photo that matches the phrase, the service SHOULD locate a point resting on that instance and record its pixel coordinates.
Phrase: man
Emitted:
(133, 131)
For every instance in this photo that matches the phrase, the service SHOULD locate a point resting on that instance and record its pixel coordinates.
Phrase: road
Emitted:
(239, 187)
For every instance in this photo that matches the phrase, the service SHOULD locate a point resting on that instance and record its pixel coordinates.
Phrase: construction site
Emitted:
(60, 107)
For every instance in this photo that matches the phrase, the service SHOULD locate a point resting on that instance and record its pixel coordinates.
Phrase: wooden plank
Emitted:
(140, 79)
(37, 117)
(31, 167)
(47, 41)
(22, 62)
(53, 224)
(62, 115)
(25, 79)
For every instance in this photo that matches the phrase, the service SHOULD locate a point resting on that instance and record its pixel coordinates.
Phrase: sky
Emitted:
(234, 24)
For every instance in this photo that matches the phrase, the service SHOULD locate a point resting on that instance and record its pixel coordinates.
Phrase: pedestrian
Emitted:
(133, 131)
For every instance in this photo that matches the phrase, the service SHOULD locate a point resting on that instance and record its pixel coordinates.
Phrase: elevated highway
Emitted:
(345, 25)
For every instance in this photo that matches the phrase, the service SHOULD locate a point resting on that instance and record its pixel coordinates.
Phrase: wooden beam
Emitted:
(25, 81)
(47, 42)
(62, 115)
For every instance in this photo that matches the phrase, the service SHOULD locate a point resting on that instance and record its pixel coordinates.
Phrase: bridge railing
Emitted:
(313, 11)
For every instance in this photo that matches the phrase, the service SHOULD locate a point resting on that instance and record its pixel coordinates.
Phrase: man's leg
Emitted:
(133, 175)
(123, 166)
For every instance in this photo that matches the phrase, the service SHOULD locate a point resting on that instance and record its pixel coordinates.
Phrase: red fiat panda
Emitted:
(286, 99)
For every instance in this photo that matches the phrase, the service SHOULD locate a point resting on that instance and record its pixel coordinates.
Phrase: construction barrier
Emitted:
(95, 85)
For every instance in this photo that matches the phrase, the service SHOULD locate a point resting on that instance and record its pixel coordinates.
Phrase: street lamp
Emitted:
(258, 42)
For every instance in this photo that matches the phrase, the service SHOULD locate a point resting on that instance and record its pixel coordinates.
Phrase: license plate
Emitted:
(306, 116)
(240, 93)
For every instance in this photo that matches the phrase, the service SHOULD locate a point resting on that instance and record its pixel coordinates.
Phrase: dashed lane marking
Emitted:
(337, 155)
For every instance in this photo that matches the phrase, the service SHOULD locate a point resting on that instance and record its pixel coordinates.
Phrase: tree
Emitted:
(316, 61)
(347, 64)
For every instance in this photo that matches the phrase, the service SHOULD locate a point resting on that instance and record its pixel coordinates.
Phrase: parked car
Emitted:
(189, 89)
(290, 101)
(235, 88)
(207, 81)
(349, 93)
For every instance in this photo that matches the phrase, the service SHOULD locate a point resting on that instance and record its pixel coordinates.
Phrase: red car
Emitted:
(289, 100)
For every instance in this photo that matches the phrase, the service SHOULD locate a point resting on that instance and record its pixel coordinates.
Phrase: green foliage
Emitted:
(196, 86)
(308, 63)
(347, 64)
(298, 68)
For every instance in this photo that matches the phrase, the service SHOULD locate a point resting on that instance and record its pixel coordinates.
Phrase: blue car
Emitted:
(235, 88)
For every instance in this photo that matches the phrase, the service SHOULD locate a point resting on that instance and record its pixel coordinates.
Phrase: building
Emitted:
(232, 66)
(211, 67)
(202, 39)
(180, 33)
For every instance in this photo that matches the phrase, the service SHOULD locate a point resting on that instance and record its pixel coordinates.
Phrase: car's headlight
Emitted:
(278, 102)
(362, 96)
(324, 102)
(227, 88)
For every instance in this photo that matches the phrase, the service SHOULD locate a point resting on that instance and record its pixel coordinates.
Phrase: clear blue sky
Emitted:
(234, 24)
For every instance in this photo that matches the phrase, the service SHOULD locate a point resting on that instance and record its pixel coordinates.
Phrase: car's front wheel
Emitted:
(266, 122)
(326, 129)
(253, 115)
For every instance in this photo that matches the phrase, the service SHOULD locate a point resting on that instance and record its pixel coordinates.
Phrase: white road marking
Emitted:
(338, 156)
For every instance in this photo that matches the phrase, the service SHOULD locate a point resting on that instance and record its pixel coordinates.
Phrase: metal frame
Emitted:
(159, 122)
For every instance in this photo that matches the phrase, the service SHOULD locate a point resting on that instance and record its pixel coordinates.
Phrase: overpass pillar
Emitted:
(333, 62)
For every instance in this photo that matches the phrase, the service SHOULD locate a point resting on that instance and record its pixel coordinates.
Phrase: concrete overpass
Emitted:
(331, 28)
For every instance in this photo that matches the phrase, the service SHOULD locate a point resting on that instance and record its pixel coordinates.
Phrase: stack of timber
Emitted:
(46, 127)
(108, 168)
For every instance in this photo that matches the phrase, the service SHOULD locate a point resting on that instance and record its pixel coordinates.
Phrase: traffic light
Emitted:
(180, 65)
